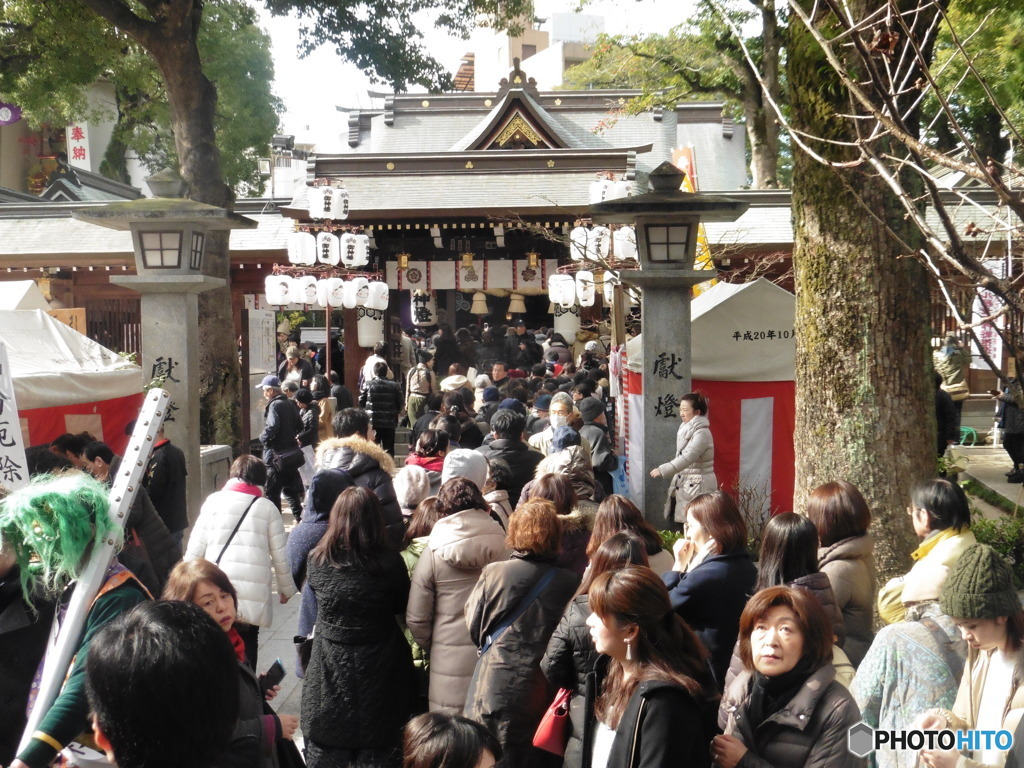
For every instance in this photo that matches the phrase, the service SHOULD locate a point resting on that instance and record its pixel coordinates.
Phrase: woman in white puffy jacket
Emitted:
(255, 552)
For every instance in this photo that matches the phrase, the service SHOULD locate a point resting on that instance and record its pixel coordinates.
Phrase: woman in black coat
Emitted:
(654, 707)
(571, 655)
(713, 575)
(508, 692)
(360, 687)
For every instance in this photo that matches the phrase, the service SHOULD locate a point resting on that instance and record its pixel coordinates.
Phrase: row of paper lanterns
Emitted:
(329, 292)
(566, 290)
(305, 248)
(586, 244)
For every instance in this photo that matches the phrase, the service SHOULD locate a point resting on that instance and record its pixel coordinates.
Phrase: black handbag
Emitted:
(285, 461)
(304, 650)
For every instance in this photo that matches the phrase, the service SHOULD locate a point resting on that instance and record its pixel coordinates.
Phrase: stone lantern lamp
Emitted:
(666, 221)
(169, 235)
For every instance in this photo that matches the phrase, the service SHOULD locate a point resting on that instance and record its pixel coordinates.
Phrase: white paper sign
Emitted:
(13, 466)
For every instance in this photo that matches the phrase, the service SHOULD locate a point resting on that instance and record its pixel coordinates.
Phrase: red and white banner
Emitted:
(105, 420)
(752, 423)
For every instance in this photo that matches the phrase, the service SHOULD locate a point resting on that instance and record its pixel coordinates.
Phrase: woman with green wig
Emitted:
(47, 531)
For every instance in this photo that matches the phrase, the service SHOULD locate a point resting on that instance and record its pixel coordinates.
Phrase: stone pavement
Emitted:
(277, 643)
(988, 465)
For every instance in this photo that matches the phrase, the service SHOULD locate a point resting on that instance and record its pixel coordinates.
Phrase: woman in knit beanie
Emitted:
(980, 597)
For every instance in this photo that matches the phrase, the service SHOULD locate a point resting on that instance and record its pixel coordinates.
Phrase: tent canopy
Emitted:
(54, 365)
(740, 332)
(22, 294)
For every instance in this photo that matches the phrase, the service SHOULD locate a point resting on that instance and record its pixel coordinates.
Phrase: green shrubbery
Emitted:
(1006, 536)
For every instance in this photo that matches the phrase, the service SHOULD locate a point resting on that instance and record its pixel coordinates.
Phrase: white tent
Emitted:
(743, 361)
(741, 332)
(22, 294)
(66, 382)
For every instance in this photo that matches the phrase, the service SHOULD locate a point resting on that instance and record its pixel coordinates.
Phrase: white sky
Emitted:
(311, 88)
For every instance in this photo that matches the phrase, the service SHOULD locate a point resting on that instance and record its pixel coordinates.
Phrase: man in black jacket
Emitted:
(382, 399)
(165, 482)
(507, 427)
(351, 458)
(283, 424)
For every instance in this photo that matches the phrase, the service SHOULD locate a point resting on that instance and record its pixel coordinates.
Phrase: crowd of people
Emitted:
(447, 603)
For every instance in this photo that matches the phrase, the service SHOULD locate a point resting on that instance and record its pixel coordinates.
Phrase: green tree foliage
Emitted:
(682, 64)
(992, 33)
(384, 38)
(53, 53)
(701, 61)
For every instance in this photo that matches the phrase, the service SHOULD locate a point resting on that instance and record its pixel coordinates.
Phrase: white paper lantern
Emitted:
(625, 243)
(609, 288)
(278, 289)
(377, 295)
(315, 196)
(578, 243)
(562, 290)
(353, 289)
(328, 203)
(347, 249)
(328, 249)
(599, 243)
(335, 291)
(424, 308)
(567, 321)
(599, 190)
(362, 250)
(369, 326)
(585, 288)
(301, 248)
(321, 293)
(618, 189)
(304, 290)
(335, 202)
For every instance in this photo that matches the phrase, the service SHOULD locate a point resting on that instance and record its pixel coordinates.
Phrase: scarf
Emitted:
(234, 484)
(770, 694)
(237, 643)
(685, 433)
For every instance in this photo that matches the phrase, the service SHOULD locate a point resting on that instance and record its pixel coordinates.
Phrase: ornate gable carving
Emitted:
(519, 134)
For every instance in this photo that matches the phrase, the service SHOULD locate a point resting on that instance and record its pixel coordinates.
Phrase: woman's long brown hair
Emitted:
(665, 649)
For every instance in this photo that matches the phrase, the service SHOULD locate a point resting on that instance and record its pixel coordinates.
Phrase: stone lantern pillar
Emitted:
(169, 237)
(666, 221)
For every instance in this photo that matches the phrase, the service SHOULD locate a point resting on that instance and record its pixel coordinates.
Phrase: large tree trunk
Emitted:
(762, 127)
(865, 409)
(763, 135)
(193, 99)
(171, 39)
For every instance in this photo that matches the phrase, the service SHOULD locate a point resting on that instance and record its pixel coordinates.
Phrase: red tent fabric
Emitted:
(743, 351)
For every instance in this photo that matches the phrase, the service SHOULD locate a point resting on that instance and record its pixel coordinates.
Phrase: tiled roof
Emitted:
(8, 195)
(56, 242)
(450, 193)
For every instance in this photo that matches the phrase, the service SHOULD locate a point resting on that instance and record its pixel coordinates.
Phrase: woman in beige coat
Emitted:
(462, 542)
(846, 555)
(693, 468)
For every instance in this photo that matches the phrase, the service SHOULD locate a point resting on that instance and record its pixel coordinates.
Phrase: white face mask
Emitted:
(557, 420)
